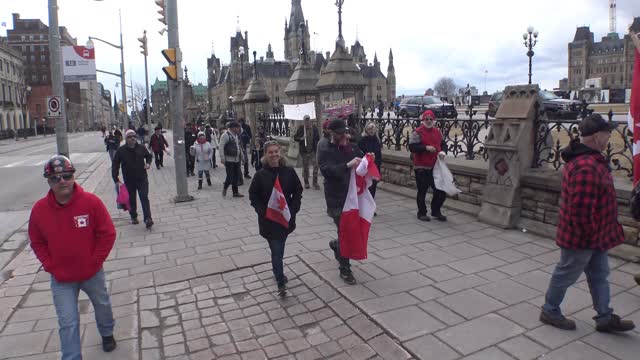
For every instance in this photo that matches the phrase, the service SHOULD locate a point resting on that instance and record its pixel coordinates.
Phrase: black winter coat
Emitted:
(132, 161)
(332, 162)
(371, 144)
(260, 192)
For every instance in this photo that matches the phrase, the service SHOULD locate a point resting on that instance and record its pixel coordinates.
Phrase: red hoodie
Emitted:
(72, 240)
(429, 137)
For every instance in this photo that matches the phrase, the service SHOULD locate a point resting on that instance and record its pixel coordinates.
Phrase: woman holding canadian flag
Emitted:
(275, 194)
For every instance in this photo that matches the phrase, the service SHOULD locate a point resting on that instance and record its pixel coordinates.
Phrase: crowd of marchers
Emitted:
(71, 231)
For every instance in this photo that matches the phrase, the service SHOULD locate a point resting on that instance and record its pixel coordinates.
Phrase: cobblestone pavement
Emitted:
(199, 286)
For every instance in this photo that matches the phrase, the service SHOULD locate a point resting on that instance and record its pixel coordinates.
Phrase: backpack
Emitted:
(231, 148)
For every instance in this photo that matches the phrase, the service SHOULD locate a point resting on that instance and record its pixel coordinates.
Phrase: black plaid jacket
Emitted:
(588, 209)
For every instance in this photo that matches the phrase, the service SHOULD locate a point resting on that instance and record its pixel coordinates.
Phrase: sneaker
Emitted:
(333, 244)
(148, 223)
(562, 323)
(440, 217)
(282, 291)
(347, 276)
(224, 191)
(306, 186)
(616, 324)
(424, 217)
(247, 176)
(238, 195)
(108, 343)
(135, 221)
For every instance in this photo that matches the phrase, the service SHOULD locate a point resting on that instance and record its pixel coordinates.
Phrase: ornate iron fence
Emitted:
(554, 135)
(275, 124)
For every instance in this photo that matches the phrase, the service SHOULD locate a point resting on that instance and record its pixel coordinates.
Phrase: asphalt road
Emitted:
(21, 166)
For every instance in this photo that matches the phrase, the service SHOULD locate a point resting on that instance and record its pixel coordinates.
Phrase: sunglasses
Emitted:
(131, 136)
(56, 178)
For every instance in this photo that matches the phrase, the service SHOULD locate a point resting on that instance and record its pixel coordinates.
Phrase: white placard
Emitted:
(298, 111)
(79, 63)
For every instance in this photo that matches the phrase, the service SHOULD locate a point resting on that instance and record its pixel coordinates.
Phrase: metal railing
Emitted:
(554, 135)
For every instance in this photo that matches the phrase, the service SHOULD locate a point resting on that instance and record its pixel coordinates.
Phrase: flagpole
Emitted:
(304, 129)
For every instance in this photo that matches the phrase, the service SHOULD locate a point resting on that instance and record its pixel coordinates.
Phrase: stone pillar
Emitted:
(510, 144)
(256, 102)
(238, 102)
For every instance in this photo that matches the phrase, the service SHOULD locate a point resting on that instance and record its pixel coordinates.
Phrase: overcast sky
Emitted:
(430, 39)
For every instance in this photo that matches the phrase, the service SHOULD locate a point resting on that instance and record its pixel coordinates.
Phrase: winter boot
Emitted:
(199, 184)
(208, 181)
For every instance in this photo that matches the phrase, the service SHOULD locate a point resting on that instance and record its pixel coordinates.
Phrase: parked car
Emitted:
(494, 104)
(414, 106)
(555, 107)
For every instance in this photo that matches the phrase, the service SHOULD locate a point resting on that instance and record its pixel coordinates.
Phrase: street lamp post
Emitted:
(530, 40)
(121, 74)
(26, 95)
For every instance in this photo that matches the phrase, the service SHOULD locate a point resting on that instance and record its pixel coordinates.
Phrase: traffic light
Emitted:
(143, 43)
(171, 71)
(163, 8)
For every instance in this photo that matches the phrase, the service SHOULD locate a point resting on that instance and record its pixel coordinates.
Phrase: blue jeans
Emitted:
(65, 299)
(277, 254)
(595, 265)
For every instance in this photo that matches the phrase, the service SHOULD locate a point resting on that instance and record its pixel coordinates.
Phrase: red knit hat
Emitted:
(325, 124)
(428, 114)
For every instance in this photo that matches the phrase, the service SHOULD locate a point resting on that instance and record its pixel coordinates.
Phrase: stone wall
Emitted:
(540, 191)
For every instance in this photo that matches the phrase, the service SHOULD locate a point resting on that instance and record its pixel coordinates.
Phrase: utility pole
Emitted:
(122, 75)
(145, 52)
(55, 54)
(175, 78)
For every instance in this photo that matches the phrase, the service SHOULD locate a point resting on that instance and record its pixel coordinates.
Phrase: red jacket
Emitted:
(73, 240)
(428, 137)
(589, 208)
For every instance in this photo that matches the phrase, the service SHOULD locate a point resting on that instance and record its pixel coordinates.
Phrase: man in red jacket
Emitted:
(425, 144)
(72, 234)
(587, 228)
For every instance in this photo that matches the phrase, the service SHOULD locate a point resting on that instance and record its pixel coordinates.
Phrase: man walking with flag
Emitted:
(275, 194)
(634, 117)
(336, 157)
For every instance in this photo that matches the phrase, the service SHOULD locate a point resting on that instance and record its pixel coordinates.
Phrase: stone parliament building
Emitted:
(610, 59)
(227, 80)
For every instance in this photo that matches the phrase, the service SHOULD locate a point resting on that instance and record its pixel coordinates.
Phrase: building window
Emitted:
(32, 48)
(32, 58)
(38, 108)
(44, 78)
(23, 48)
(30, 37)
(23, 38)
(42, 48)
(41, 37)
(42, 58)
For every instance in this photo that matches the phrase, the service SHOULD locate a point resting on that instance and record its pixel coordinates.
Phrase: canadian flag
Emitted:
(277, 208)
(358, 210)
(634, 117)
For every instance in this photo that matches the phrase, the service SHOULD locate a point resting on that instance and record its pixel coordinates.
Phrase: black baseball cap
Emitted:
(594, 123)
(338, 126)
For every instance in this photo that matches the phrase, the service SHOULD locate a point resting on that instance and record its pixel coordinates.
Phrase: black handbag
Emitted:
(231, 148)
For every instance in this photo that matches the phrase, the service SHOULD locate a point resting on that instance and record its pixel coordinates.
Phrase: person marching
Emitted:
(189, 140)
(275, 194)
(135, 160)
(71, 233)
(203, 152)
(111, 142)
(336, 157)
(308, 137)
(230, 156)
(425, 143)
(212, 137)
(370, 143)
(158, 143)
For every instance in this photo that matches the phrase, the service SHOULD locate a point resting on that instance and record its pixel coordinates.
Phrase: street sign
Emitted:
(54, 106)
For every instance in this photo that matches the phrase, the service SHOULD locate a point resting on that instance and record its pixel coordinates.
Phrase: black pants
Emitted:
(213, 159)
(373, 188)
(245, 159)
(233, 171)
(424, 181)
(159, 158)
(142, 188)
(345, 265)
(191, 163)
(277, 254)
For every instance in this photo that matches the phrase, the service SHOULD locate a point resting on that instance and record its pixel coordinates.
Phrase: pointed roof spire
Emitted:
(375, 57)
(212, 51)
(238, 25)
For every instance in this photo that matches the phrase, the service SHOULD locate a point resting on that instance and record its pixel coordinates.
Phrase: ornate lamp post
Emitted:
(530, 40)
(241, 55)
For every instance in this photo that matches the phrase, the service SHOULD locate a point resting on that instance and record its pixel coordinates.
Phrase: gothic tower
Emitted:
(391, 79)
(293, 35)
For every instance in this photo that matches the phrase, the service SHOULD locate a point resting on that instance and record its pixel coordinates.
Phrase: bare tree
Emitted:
(445, 87)
(139, 94)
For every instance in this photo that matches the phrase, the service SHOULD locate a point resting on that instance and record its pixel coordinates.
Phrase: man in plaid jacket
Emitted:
(587, 228)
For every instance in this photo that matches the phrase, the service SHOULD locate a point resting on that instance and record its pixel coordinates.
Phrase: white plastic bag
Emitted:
(443, 178)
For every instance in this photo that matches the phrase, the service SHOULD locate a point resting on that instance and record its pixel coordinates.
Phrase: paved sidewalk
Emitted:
(199, 286)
